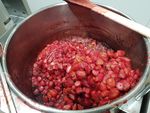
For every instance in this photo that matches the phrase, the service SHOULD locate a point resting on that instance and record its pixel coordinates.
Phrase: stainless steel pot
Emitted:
(60, 21)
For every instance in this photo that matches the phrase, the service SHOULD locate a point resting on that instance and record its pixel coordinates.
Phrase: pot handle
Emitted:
(145, 90)
(132, 106)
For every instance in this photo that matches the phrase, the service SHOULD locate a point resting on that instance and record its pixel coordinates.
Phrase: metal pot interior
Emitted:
(62, 22)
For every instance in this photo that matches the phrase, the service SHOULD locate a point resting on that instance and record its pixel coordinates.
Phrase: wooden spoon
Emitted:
(145, 31)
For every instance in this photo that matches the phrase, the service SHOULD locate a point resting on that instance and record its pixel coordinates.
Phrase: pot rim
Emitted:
(39, 106)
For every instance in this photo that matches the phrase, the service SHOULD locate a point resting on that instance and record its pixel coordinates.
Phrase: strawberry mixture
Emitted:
(81, 73)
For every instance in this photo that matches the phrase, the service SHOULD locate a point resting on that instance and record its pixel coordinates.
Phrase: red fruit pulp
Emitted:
(80, 73)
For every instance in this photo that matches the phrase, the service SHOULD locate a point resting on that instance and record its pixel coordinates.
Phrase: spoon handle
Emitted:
(141, 29)
(145, 31)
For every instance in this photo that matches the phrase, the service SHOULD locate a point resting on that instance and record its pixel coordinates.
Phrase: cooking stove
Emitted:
(10, 103)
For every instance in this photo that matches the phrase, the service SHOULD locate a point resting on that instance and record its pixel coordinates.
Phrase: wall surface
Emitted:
(136, 9)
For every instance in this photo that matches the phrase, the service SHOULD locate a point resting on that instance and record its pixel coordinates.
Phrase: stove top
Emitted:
(10, 103)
